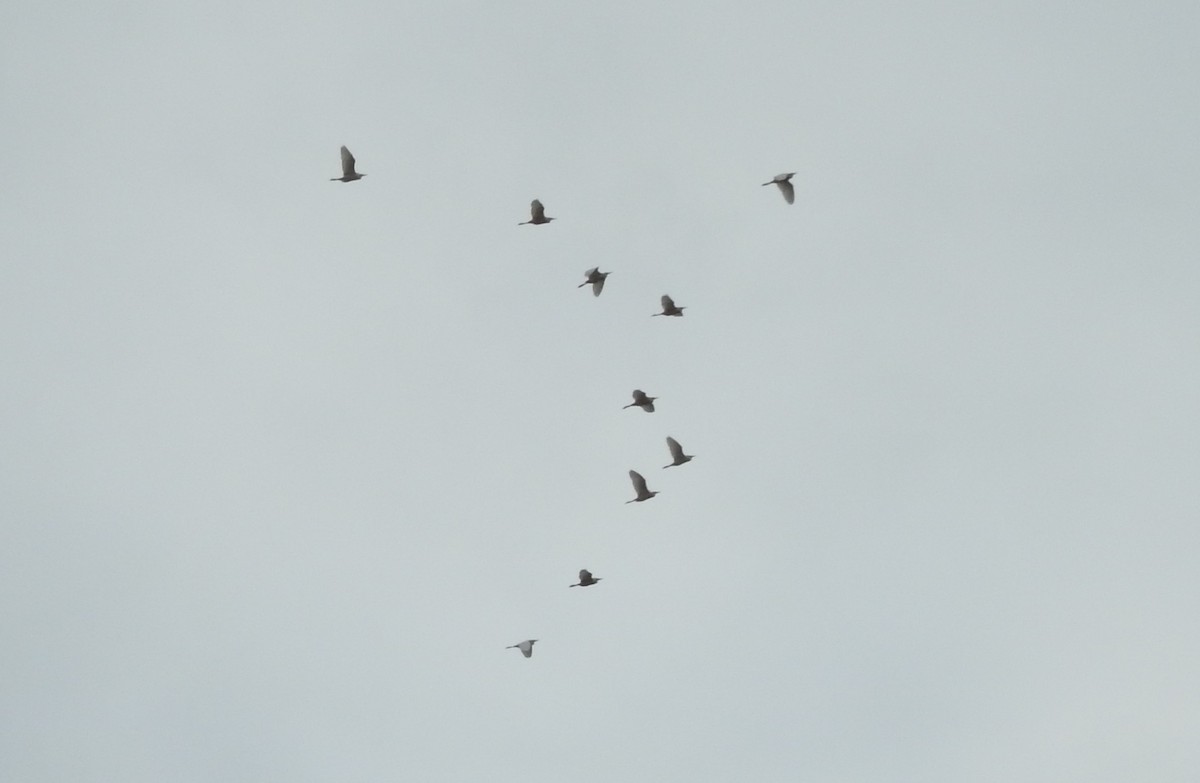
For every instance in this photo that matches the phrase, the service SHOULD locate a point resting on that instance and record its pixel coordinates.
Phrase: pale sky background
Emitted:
(286, 463)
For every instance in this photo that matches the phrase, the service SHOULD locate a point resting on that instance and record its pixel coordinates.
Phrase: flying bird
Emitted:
(596, 278)
(669, 308)
(677, 455)
(639, 486)
(641, 400)
(785, 187)
(526, 647)
(586, 579)
(348, 172)
(537, 214)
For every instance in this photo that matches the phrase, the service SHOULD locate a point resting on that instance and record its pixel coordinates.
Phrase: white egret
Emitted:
(639, 486)
(348, 172)
(641, 400)
(596, 278)
(526, 647)
(669, 308)
(586, 579)
(785, 187)
(677, 455)
(537, 214)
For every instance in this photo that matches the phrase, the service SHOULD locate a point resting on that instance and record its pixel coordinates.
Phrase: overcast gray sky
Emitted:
(286, 463)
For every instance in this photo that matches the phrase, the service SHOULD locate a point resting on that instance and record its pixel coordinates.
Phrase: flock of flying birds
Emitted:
(596, 278)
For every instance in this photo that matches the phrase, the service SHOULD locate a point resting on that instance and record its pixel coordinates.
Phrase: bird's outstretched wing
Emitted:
(676, 449)
(347, 163)
(585, 575)
(667, 302)
(789, 193)
(639, 483)
(536, 210)
(597, 286)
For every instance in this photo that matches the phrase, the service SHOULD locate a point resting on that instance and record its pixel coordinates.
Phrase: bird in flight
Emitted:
(526, 647)
(677, 455)
(639, 486)
(537, 214)
(586, 579)
(596, 278)
(785, 186)
(669, 308)
(641, 400)
(348, 172)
